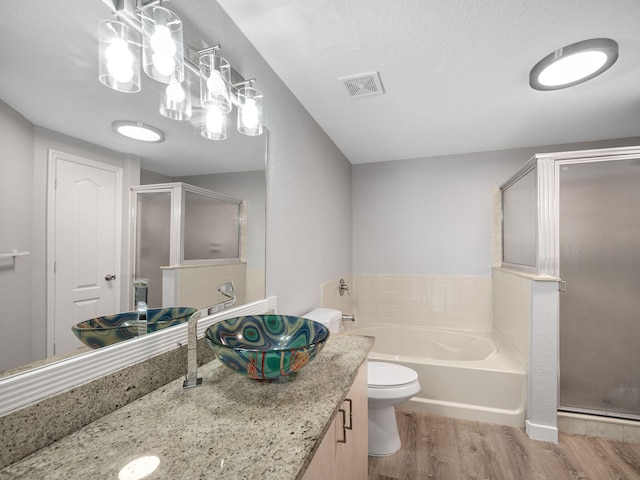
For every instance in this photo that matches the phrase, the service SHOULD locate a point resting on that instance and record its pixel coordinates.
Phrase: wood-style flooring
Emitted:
(443, 448)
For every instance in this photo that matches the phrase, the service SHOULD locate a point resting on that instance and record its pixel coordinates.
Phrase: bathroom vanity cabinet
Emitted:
(230, 427)
(343, 451)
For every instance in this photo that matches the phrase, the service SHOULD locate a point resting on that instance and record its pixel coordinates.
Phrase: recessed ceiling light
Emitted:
(574, 64)
(138, 131)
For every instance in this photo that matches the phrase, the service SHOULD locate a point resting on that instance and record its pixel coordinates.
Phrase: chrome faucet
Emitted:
(192, 379)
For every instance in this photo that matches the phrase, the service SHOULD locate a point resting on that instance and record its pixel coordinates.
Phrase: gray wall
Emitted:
(24, 153)
(16, 223)
(147, 177)
(308, 186)
(248, 186)
(432, 216)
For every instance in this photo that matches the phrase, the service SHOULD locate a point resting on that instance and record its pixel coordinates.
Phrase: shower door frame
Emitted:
(544, 404)
(594, 156)
(547, 166)
(177, 192)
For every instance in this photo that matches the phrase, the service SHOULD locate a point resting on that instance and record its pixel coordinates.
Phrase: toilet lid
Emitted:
(380, 374)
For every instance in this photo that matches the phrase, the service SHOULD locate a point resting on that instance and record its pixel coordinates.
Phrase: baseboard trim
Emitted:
(543, 433)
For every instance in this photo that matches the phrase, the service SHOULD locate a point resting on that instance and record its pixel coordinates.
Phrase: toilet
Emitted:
(330, 318)
(388, 385)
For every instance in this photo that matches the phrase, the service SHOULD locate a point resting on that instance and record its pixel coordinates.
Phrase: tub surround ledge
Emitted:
(231, 427)
(528, 275)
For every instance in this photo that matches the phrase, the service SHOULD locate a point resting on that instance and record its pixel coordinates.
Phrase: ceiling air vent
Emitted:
(363, 85)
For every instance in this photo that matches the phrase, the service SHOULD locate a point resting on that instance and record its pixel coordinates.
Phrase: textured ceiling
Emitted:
(455, 75)
(455, 72)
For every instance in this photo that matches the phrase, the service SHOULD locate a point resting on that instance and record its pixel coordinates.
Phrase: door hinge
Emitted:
(562, 286)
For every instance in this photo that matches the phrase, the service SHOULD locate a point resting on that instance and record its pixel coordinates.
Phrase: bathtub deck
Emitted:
(451, 449)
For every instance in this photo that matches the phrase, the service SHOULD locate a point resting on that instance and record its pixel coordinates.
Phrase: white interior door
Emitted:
(84, 236)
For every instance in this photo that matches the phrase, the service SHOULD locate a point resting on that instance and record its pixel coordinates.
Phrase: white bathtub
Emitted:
(462, 375)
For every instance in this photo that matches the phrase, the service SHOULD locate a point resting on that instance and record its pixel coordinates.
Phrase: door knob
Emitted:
(108, 277)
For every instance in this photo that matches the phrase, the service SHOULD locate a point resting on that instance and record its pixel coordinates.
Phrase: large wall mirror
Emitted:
(53, 107)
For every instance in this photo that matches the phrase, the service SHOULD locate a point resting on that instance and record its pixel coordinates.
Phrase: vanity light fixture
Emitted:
(162, 44)
(176, 101)
(144, 25)
(138, 131)
(119, 61)
(215, 80)
(214, 123)
(574, 64)
(249, 111)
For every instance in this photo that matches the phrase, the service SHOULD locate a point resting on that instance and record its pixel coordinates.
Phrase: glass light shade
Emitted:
(162, 57)
(249, 111)
(119, 56)
(176, 101)
(214, 125)
(215, 72)
(574, 64)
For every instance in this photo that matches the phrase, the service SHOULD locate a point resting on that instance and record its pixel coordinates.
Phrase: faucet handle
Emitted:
(227, 289)
(343, 287)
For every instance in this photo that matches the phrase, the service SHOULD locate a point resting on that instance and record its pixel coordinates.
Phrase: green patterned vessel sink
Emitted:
(266, 347)
(109, 329)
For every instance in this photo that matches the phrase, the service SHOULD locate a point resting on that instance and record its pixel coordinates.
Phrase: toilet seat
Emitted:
(389, 375)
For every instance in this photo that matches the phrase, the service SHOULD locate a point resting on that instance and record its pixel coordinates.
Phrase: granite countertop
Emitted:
(231, 427)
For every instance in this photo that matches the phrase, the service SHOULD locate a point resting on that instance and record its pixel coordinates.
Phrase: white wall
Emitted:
(16, 205)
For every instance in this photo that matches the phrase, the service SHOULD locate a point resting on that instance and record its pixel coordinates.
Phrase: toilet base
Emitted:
(383, 432)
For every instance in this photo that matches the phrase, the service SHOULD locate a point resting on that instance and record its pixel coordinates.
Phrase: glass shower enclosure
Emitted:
(576, 216)
(180, 224)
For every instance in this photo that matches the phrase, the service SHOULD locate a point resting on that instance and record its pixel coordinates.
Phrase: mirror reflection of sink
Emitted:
(109, 329)
(266, 347)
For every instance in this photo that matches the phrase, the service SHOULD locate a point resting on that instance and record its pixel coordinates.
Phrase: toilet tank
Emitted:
(328, 317)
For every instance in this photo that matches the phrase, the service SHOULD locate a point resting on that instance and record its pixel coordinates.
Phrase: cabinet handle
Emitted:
(346, 427)
(350, 427)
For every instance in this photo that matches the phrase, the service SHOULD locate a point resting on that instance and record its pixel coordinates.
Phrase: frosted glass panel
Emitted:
(211, 228)
(600, 310)
(153, 230)
(519, 207)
